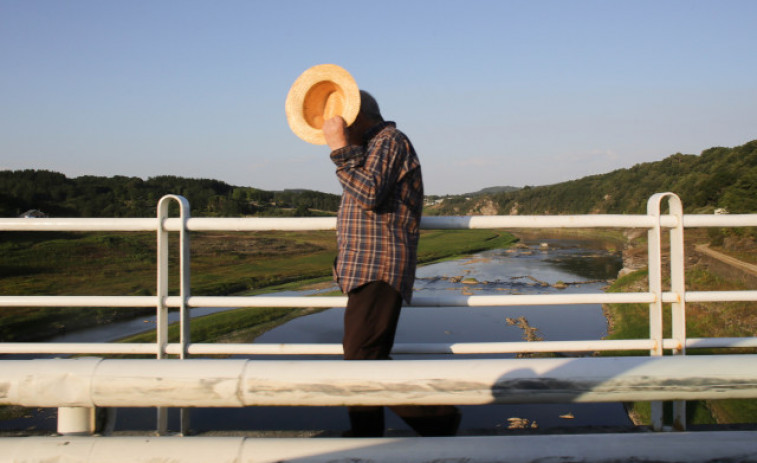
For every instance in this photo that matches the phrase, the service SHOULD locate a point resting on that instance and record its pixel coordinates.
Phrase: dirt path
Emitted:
(732, 261)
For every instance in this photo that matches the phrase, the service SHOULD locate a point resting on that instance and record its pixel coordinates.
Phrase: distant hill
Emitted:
(492, 190)
(91, 196)
(717, 178)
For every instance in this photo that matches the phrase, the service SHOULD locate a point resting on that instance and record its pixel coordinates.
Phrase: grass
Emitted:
(438, 245)
(220, 326)
(628, 321)
(721, 319)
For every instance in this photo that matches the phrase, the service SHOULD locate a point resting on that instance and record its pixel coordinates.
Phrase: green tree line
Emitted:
(718, 178)
(92, 196)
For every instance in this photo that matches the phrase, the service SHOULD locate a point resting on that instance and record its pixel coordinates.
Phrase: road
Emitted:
(732, 261)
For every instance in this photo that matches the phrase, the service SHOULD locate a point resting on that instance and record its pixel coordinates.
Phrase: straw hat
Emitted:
(320, 93)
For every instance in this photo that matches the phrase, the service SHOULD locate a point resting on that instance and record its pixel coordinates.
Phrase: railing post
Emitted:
(76, 421)
(654, 253)
(678, 319)
(678, 286)
(184, 292)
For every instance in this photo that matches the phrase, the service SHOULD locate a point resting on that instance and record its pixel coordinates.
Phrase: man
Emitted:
(377, 237)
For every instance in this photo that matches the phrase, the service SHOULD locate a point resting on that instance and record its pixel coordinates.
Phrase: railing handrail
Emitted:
(698, 447)
(654, 221)
(624, 221)
(92, 382)
(164, 224)
(340, 301)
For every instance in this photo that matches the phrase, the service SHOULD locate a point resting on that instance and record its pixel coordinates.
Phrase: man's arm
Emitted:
(365, 176)
(336, 133)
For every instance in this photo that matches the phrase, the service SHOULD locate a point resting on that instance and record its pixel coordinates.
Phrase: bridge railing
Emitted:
(620, 379)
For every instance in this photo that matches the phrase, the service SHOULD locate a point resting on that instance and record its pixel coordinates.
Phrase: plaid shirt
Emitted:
(379, 216)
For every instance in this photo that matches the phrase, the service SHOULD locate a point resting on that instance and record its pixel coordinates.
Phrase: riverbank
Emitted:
(705, 270)
(728, 266)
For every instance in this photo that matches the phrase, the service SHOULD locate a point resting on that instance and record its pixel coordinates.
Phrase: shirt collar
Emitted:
(373, 131)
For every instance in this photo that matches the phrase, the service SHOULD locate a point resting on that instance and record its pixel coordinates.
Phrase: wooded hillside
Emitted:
(719, 178)
(89, 196)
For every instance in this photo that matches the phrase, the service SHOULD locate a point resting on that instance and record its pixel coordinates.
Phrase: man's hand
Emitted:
(336, 133)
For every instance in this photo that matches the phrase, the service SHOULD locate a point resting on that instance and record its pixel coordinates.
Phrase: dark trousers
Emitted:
(370, 323)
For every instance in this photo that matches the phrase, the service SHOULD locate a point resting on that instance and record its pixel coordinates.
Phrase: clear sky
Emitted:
(490, 92)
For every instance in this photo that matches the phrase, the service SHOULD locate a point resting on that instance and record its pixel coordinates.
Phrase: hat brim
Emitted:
(318, 94)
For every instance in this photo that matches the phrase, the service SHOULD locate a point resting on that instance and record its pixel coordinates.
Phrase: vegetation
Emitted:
(89, 196)
(713, 319)
(435, 245)
(718, 178)
(228, 325)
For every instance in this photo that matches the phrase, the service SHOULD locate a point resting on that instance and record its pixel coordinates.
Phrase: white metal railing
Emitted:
(90, 382)
(656, 222)
(699, 447)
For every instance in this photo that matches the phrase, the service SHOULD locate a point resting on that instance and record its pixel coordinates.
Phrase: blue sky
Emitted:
(490, 92)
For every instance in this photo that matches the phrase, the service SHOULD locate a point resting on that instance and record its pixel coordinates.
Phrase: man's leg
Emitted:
(370, 323)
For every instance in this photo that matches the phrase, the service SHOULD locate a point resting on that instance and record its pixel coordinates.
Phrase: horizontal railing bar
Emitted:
(427, 222)
(542, 221)
(79, 301)
(329, 223)
(260, 301)
(341, 301)
(418, 301)
(513, 347)
(325, 349)
(79, 224)
(242, 383)
(420, 348)
(475, 222)
(254, 224)
(100, 348)
(258, 349)
(719, 296)
(399, 348)
(697, 343)
(692, 447)
(535, 299)
(719, 220)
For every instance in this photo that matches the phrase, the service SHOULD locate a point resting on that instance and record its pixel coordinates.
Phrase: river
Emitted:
(535, 267)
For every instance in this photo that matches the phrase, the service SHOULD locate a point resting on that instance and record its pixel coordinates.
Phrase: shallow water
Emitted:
(524, 271)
